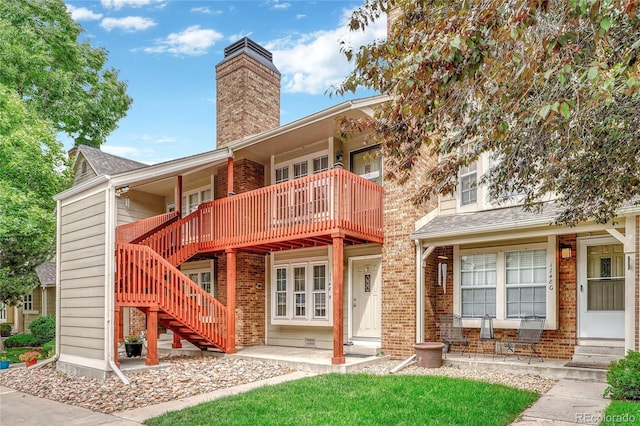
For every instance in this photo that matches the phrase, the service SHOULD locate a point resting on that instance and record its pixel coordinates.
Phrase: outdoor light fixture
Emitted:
(565, 251)
(339, 163)
(122, 190)
(442, 272)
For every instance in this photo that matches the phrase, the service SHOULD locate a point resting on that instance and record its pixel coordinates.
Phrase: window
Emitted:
(478, 280)
(300, 169)
(3, 311)
(83, 167)
(282, 174)
(300, 293)
(27, 302)
(507, 283)
(320, 164)
(526, 283)
(281, 292)
(367, 163)
(320, 291)
(468, 185)
(194, 198)
(202, 278)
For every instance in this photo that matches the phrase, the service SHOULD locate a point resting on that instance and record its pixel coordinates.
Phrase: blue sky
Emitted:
(167, 50)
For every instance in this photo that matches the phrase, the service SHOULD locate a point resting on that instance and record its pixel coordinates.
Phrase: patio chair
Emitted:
(451, 332)
(529, 335)
(486, 335)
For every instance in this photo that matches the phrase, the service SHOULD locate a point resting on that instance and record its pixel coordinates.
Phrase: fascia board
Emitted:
(82, 187)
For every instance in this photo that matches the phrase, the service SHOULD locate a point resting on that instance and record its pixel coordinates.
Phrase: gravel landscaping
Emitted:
(186, 376)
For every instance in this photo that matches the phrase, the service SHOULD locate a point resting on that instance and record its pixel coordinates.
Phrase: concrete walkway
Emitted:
(569, 402)
(18, 408)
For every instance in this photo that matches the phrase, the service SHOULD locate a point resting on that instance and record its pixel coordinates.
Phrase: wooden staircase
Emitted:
(146, 280)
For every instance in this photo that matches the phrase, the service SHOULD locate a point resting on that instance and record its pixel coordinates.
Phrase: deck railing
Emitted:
(335, 200)
(143, 278)
(306, 207)
(134, 230)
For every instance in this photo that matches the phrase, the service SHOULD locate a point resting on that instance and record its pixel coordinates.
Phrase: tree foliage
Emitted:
(550, 89)
(32, 172)
(63, 79)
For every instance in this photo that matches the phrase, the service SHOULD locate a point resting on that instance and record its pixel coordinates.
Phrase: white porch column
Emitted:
(629, 242)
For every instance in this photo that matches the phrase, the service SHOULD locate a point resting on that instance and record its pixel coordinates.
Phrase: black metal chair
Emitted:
(529, 335)
(451, 332)
(486, 335)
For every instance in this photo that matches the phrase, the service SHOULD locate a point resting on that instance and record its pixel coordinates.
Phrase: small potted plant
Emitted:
(30, 357)
(133, 346)
(4, 362)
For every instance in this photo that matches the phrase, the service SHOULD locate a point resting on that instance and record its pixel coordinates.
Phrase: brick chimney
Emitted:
(247, 92)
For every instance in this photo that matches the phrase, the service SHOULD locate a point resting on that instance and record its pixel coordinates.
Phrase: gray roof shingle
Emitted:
(107, 164)
(47, 273)
(506, 218)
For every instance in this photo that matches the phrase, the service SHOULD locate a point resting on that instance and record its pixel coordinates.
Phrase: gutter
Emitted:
(56, 355)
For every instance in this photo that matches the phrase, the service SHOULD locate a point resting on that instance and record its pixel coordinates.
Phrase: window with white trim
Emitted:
(468, 184)
(525, 276)
(508, 283)
(3, 311)
(192, 199)
(300, 293)
(478, 279)
(299, 167)
(202, 278)
(27, 302)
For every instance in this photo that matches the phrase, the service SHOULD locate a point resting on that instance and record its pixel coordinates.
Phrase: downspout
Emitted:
(109, 297)
(419, 294)
(56, 355)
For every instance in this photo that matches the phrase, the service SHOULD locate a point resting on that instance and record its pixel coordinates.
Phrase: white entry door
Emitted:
(601, 289)
(366, 300)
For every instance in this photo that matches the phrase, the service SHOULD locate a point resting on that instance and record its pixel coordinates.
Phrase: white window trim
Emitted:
(186, 194)
(289, 163)
(199, 272)
(501, 320)
(291, 318)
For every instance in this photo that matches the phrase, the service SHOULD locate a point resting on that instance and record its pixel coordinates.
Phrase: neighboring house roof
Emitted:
(103, 163)
(47, 273)
(507, 218)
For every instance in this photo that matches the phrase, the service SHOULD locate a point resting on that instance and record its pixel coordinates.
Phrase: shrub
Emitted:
(623, 378)
(49, 348)
(20, 340)
(5, 329)
(43, 329)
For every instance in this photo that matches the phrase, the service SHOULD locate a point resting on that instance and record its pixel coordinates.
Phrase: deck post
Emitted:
(117, 332)
(177, 341)
(152, 337)
(231, 301)
(230, 176)
(338, 299)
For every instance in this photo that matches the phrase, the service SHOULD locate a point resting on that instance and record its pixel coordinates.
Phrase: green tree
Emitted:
(32, 171)
(549, 88)
(64, 80)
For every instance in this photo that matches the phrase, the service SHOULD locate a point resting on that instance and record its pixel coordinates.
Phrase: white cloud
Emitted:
(277, 5)
(312, 63)
(192, 41)
(158, 139)
(119, 4)
(83, 14)
(300, 16)
(129, 24)
(235, 37)
(206, 11)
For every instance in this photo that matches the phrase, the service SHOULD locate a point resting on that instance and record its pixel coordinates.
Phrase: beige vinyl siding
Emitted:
(82, 277)
(51, 301)
(448, 204)
(78, 176)
(141, 206)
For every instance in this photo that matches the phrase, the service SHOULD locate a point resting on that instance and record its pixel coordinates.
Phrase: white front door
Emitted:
(366, 300)
(601, 289)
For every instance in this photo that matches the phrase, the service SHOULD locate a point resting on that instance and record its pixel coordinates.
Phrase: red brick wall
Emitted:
(399, 265)
(250, 273)
(247, 99)
(554, 344)
(137, 322)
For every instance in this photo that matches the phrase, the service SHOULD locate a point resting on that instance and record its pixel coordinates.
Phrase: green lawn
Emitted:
(13, 354)
(622, 412)
(359, 399)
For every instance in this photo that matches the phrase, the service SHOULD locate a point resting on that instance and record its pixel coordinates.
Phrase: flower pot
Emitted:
(133, 349)
(4, 364)
(31, 362)
(429, 354)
